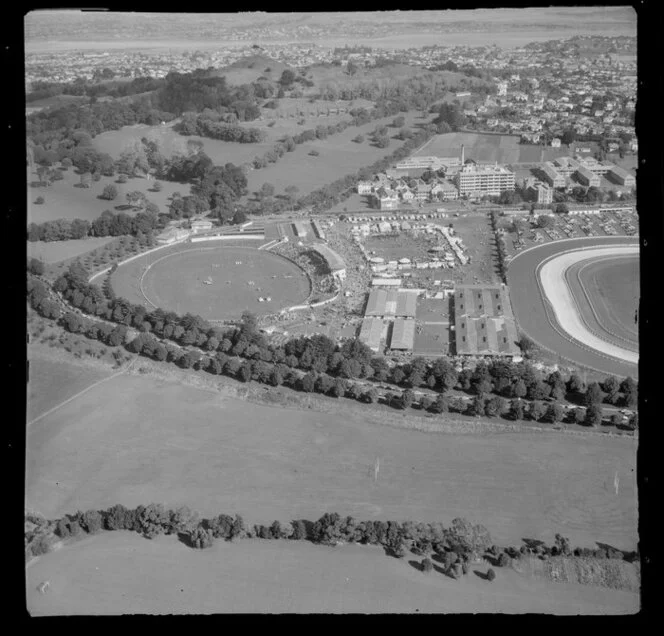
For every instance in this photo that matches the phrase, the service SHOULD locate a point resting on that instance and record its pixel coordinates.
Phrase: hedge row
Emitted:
(457, 543)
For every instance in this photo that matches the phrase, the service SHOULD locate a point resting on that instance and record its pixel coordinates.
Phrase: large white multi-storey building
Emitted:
(473, 180)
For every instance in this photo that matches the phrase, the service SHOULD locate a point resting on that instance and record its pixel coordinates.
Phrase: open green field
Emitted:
(64, 200)
(51, 381)
(534, 153)
(240, 276)
(339, 156)
(136, 440)
(221, 152)
(607, 294)
(618, 284)
(477, 146)
(57, 251)
(120, 572)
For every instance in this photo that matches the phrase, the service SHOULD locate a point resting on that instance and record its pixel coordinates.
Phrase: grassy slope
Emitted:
(136, 440)
(339, 156)
(60, 250)
(52, 380)
(120, 572)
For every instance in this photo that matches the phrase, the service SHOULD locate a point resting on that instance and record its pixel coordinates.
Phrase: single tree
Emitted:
(555, 413)
(516, 409)
(594, 415)
(593, 394)
(537, 411)
(109, 193)
(407, 399)
(575, 384)
(579, 415)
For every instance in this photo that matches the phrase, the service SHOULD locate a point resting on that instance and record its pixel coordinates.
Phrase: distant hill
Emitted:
(250, 68)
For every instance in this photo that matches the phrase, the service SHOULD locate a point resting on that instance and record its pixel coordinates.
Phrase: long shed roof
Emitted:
(403, 334)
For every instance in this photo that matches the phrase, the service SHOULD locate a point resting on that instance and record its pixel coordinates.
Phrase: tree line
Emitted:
(453, 547)
(501, 247)
(318, 364)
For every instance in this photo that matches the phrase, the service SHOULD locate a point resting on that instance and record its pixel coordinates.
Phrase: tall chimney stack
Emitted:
(462, 154)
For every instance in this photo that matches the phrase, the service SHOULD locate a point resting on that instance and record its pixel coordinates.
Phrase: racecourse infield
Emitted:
(610, 313)
(536, 317)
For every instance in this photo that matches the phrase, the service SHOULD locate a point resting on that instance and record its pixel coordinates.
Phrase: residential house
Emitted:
(365, 187)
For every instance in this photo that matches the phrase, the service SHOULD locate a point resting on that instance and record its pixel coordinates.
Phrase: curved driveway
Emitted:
(535, 315)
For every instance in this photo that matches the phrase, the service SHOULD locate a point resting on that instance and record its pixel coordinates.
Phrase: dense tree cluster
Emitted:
(451, 115)
(208, 124)
(108, 224)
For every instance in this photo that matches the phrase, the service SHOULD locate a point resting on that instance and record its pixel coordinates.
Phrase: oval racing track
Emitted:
(552, 278)
(536, 316)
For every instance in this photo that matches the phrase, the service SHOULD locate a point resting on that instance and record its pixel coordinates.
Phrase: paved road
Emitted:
(535, 317)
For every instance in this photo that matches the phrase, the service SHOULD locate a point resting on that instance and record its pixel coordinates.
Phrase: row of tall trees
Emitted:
(352, 359)
(238, 356)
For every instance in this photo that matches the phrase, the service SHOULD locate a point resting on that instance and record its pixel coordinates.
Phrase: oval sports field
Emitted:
(216, 283)
(603, 290)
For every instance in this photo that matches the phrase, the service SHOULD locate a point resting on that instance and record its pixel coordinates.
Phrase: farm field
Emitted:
(532, 315)
(51, 381)
(612, 287)
(137, 440)
(240, 275)
(120, 572)
(57, 251)
(66, 201)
